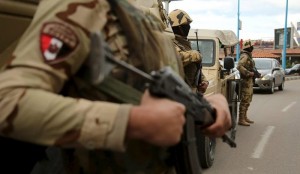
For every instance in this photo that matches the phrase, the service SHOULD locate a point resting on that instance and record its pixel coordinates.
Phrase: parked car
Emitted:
(272, 75)
(294, 70)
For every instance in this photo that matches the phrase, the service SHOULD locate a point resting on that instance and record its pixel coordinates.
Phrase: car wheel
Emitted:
(281, 86)
(206, 150)
(272, 88)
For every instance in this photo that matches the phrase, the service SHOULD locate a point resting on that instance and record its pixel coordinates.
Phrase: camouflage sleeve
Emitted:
(188, 56)
(242, 65)
(44, 118)
(50, 51)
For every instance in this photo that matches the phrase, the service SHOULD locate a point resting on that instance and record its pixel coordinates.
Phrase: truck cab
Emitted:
(217, 48)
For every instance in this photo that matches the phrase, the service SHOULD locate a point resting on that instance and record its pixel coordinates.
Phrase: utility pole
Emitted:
(285, 37)
(167, 2)
(238, 33)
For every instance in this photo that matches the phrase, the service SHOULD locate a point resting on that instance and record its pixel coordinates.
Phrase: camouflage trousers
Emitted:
(81, 161)
(246, 96)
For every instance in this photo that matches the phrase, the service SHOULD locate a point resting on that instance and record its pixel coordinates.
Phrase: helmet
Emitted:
(247, 44)
(179, 17)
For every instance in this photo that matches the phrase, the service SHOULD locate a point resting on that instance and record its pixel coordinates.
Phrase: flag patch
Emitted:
(57, 41)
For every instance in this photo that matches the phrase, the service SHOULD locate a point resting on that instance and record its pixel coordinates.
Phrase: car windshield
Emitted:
(263, 64)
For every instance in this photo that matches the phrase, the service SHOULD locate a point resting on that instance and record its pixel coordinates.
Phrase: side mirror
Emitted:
(228, 63)
(275, 69)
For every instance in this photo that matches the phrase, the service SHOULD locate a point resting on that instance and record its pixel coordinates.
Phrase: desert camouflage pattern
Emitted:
(245, 66)
(179, 17)
(50, 53)
(247, 44)
(190, 59)
(153, 7)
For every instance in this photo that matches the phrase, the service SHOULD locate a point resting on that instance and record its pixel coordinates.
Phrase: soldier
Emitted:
(245, 66)
(42, 102)
(180, 22)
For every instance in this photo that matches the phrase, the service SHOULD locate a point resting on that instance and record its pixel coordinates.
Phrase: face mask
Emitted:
(251, 49)
(185, 29)
(182, 30)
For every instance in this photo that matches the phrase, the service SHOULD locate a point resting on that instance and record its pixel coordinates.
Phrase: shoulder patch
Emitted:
(57, 41)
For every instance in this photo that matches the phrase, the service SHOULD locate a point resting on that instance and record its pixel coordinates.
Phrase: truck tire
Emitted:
(206, 150)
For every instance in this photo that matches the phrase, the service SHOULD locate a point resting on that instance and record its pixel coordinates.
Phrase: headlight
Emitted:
(266, 77)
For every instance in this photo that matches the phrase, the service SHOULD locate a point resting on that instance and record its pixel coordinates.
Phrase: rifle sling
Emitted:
(119, 90)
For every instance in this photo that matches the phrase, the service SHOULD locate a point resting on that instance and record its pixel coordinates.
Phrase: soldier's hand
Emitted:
(195, 56)
(157, 121)
(202, 86)
(251, 74)
(223, 116)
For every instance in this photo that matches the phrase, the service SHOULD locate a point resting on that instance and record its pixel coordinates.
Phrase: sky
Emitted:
(259, 17)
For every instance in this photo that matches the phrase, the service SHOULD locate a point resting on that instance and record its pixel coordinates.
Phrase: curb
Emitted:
(291, 78)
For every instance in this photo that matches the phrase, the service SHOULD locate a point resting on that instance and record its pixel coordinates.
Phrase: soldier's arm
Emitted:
(51, 50)
(203, 84)
(188, 56)
(31, 109)
(241, 66)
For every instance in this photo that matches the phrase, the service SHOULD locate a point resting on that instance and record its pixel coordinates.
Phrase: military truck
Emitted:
(216, 47)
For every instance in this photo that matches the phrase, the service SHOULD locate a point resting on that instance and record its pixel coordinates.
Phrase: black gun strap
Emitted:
(120, 90)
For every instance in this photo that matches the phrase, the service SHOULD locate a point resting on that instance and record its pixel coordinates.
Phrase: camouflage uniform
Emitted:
(191, 58)
(49, 55)
(245, 67)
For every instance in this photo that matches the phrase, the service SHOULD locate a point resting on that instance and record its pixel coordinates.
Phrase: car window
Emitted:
(277, 64)
(263, 64)
(207, 49)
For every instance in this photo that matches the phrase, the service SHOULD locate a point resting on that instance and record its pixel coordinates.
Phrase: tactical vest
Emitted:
(191, 69)
(150, 49)
(250, 63)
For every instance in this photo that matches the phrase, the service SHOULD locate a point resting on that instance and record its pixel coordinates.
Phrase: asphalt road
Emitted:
(272, 144)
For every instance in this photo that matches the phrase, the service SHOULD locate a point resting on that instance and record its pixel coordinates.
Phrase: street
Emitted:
(272, 144)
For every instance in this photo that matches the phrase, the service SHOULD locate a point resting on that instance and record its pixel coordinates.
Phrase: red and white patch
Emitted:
(51, 47)
(57, 42)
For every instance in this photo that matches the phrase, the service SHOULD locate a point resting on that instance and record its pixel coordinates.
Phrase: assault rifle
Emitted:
(163, 83)
(198, 78)
(256, 74)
